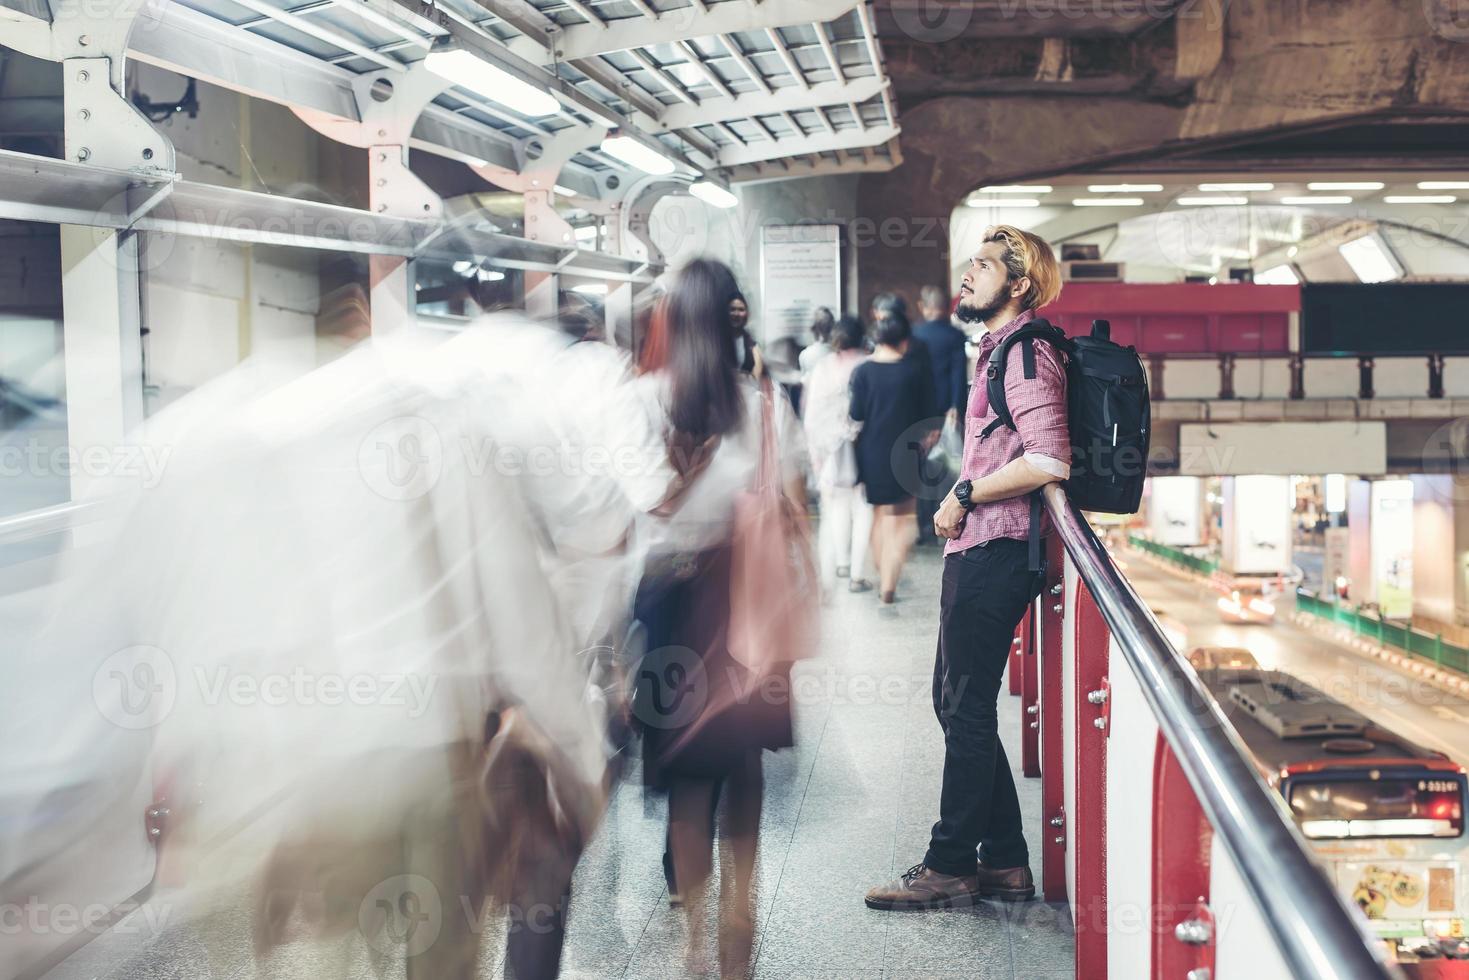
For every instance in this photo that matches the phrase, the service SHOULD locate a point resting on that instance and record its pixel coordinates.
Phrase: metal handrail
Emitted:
(50, 520)
(1317, 932)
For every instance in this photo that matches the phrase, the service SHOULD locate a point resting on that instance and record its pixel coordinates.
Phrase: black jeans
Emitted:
(985, 593)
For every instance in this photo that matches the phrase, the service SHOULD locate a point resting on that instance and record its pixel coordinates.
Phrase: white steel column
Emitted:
(389, 103)
(103, 349)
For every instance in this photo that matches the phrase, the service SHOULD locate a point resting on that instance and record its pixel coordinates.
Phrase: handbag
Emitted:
(773, 580)
(841, 467)
(948, 451)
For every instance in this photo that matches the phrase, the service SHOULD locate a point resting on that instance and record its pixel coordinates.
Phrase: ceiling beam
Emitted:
(584, 41)
(834, 62)
(763, 173)
(321, 31)
(692, 54)
(536, 46)
(590, 15)
(664, 78)
(734, 156)
(711, 109)
(732, 45)
(182, 40)
(788, 59)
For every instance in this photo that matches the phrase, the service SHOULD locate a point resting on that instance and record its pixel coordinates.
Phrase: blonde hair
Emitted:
(1028, 256)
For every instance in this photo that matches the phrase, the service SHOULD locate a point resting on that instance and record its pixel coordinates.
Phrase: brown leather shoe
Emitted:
(920, 887)
(1006, 884)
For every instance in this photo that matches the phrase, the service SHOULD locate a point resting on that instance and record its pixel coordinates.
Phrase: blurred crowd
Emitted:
(390, 633)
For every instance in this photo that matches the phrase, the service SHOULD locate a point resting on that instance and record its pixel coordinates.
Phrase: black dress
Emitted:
(890, 399)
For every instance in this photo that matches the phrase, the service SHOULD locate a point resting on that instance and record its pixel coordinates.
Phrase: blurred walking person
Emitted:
(846, 517)
(713, 437)
(822, 346)
(890, 399)
(949, 368)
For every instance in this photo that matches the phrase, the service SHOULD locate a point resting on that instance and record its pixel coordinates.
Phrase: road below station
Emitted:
(1390, 697)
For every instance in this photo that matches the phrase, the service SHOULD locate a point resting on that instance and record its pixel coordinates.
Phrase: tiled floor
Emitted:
(849, 806)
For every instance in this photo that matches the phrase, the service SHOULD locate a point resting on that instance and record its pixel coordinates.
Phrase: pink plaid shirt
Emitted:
(1041, 436)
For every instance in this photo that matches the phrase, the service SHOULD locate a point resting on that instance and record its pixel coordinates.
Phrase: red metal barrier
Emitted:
(1089, 825)
(1030, 696)
(1017, 655)
(1052, 731)
(1182, 841)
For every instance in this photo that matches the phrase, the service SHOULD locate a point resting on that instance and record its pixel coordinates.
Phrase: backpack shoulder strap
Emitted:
(1027, 335)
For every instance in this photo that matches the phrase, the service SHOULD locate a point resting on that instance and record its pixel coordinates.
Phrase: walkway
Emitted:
(851, 805)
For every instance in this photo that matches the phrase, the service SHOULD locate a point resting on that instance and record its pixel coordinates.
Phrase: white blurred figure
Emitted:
(310, 630)
(846, 516)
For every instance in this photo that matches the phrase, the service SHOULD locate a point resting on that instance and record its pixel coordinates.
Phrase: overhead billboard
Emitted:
(1282, 448)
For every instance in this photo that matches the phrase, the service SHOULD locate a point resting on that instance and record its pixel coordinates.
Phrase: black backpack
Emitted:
(1108, 411)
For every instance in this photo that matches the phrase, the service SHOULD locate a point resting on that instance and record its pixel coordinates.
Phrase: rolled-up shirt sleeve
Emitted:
(1038, 406)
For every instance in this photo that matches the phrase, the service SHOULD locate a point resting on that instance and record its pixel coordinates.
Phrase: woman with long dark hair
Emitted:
(704, 436)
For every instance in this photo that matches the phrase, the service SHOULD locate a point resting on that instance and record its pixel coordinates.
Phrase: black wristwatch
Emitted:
(962, 490)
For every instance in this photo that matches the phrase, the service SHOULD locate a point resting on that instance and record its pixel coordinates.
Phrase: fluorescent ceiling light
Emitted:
(1016, 189)
(1320, 199)
(1280, 275)
(1204, 202)
(1108, 202)
(468, 70)
(564, 191)
(638, 155)
(1124, 188)
(490, 275)
(586, 233)
(1003, 202)
(1237, 187)
(591, 289)
(1420, 199)
(1370, 260)
(1443, 185)
(463, 267)
(712, 194)
(1345, 185)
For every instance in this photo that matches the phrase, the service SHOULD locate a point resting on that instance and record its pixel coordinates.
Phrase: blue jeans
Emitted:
(986, 590)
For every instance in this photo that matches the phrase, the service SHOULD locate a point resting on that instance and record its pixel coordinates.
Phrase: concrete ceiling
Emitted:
(1005, 47)
(1029, 91)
